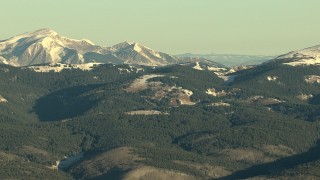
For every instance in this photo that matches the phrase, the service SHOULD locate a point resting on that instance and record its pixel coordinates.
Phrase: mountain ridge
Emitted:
(230, 59)
(44, 46)
(47, 46)
(306, 56)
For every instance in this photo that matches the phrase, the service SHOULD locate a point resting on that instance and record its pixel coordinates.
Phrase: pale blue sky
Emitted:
(264, 27)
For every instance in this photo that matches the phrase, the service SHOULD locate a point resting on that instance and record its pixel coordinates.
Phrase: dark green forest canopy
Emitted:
(50, 115)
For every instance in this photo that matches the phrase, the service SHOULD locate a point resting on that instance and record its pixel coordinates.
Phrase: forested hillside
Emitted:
(174, 121)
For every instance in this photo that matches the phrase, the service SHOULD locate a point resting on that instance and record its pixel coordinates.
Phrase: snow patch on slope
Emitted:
(141, 83)
(304, 97)
(3, 100)
(216, 69)
(304, 62)
(130, 69)
(220, 104)
(312, 79)
(146, 112)
(198, 67)
(215, 93)
(3, 60)
(58, 67)
(272, 78)
(263, 100)
(228, 79)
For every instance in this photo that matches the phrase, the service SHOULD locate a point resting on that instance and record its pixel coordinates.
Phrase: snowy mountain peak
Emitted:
(135, 47)
(135, 53)
(47, 46)
(44, 46)
(88, 41)
(45, 31)
(123, 45)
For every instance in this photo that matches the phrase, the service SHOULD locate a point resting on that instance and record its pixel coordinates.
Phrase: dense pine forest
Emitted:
(255, 128)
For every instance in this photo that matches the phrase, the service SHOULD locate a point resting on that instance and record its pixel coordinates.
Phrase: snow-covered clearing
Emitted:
(146, 112)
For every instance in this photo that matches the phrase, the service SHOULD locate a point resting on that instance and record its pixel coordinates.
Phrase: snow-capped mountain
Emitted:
(44, 46)
(307, 56)
(134, 53)
(47, 46)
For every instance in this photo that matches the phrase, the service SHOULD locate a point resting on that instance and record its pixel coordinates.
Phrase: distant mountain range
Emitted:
(231, 59)
(47, 46)
(307, 56)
